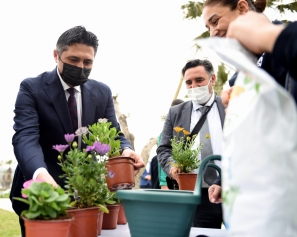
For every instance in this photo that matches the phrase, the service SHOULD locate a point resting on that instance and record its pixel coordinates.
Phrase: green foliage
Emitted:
(103, 132)
(45, 202)
(192, 10)
(85, 176)
(183, 153)
(222, 77)
(290, 6)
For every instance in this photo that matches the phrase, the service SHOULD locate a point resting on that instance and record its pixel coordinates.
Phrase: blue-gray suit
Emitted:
(42, 118)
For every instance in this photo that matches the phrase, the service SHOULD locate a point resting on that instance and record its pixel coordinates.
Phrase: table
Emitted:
(123, 231)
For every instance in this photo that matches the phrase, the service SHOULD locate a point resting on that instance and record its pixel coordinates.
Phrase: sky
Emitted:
(142, 47)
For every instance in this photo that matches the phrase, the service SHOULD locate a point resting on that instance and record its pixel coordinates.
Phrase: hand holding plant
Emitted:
(45, 202)
(184, 153)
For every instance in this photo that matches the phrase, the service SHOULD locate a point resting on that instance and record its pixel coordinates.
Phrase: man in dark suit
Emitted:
(199, 79)
(42, 115)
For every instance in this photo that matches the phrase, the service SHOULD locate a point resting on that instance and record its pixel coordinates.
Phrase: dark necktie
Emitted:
(210, 174)
(73, 108)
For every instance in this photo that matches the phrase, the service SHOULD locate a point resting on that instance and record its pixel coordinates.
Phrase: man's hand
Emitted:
(47, 178)
(225, 95)
(139, 163)
(148, 177)
(173, 172)
(164, 188)
(214, 193)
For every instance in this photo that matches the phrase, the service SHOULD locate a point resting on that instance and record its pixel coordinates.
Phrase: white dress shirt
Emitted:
(214, 123)
(79, 113)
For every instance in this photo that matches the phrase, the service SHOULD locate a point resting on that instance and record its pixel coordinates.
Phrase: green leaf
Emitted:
(79, 180)
(22, 200)
(32, 215)
(52, 197)
(62, 198)
(51, 212)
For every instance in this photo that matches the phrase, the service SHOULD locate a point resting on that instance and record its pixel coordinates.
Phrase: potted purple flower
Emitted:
(85, 177)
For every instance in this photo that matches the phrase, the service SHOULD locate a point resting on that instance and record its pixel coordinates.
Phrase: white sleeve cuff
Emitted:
(38, 171)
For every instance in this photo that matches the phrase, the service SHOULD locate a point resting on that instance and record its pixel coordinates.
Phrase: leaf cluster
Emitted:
(85, 179)
(103, 132)
(183, 153)
(45, 202)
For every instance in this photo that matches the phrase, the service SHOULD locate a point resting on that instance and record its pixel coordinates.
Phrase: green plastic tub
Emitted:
(156, 212)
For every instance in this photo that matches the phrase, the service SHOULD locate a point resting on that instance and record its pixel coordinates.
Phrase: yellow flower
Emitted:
(207, 135)
(188, 138)
(186, 132)
(178, 129)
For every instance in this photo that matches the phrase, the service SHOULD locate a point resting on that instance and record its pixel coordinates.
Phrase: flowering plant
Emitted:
(184, 154)
(85, 172)
(45, 202)
(104, 133)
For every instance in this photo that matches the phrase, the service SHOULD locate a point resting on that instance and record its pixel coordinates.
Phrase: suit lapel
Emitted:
(186, 115)
(88, 105)
(221, 109)
(56, 94)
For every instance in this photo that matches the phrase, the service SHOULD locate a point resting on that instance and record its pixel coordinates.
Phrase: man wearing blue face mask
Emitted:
(56, 103)
(203, 113)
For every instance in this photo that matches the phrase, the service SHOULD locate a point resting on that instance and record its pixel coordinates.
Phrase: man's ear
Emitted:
(213, 79)
(56, 56)
(242, 6)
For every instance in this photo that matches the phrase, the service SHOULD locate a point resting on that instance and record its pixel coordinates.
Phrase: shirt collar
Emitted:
(65, 86)
(209, 102)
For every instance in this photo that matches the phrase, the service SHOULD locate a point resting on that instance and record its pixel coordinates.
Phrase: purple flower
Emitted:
(60, 148)
(69, 137)
(101, 149)
(111, 174)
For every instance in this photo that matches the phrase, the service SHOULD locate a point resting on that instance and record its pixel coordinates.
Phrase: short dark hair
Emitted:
(198, 62)
(76, 35)
(258, 6)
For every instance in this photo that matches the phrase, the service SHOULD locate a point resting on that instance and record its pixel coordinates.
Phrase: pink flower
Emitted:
(28, 183)
(69, 137)
(60, 148)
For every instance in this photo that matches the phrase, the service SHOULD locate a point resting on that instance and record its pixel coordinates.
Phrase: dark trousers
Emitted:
(208, 215)
(22, 225)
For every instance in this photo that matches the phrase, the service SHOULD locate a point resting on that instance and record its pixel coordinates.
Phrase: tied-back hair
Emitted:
(257, 5)
(198, 62)
(76, 35)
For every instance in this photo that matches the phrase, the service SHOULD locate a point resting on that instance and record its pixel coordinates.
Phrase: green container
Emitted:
(156, 212)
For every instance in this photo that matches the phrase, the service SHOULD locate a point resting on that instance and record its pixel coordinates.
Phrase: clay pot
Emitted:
(85, 222)
(110, 219)
(122, 217)
(48, 228)
(186, 181)
(100, 221)
(120, 173)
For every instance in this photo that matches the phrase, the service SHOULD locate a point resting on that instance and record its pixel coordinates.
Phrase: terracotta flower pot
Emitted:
(100, 221)
(120, 173)
(110, 219)
(186, 181)
(48, 228)
(85, 222)
(122, 216)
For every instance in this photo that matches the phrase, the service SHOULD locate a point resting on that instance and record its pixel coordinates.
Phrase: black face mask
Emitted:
(74, 75)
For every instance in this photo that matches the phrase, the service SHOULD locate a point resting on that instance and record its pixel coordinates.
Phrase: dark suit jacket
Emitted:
(41, 120)
(179, 115)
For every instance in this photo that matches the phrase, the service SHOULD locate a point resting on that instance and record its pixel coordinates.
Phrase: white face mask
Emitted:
(200, 94)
